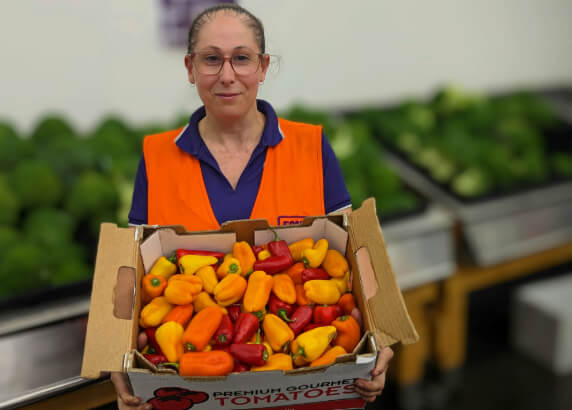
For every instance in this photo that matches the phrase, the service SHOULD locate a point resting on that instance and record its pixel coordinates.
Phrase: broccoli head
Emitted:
(36, 184)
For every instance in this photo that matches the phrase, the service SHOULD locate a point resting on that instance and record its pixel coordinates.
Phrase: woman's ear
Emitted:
(189, 67)
(264, 67)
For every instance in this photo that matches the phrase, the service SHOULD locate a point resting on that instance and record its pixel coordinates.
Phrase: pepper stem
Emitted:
(283, 315)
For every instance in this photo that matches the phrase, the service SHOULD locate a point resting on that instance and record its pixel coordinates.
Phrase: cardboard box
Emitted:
(125, 254)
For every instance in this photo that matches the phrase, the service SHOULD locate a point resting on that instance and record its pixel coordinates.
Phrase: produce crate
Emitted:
(125, 254)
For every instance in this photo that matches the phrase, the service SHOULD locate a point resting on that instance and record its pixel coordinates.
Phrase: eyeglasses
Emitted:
(244, 62)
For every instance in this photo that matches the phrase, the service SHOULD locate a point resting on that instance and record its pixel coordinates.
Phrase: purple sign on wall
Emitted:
(175, 17)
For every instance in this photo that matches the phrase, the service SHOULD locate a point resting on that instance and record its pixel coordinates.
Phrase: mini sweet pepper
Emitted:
(335, 264)
(243, 252)
(313, 343)
(257, 291)
(153, 313)
(313, 257)
(284, 288)
(202, 328)
(209, 278)
(297, 248)
(169, 337)
(348, 332)
(189, 264)
(323, 292)
(229, 265)
(182, 288)
(277, 333)
(230, 290)
(164, 266)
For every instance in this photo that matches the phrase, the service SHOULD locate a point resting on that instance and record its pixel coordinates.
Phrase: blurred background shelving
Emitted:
(457, 118)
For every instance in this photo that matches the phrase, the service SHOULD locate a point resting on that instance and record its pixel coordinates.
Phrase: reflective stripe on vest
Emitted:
(291, 186)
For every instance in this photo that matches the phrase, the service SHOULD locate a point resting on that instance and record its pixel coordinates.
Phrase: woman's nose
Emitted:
(227, 73)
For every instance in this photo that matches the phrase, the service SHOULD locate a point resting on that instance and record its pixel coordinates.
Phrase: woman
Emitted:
(235, 159)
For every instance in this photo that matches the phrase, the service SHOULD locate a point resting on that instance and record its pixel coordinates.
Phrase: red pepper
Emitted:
(183, 252)
(325, 314)
(245, 327)
(280, 260)
(155, 358)
(280, 308)
(249, 353)
(224, 333)
(300, 318)
(311, 326)
(240, 367)
(233, 312)
(150, 332)
(314, 274)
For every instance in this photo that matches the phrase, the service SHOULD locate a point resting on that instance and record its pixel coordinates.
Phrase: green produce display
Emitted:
(360, 159)
(475, 145)
(56, 187)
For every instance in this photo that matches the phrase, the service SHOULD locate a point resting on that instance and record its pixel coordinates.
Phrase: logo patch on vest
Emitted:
(290, 219)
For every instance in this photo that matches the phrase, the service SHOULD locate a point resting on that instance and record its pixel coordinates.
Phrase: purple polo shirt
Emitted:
(229, 204)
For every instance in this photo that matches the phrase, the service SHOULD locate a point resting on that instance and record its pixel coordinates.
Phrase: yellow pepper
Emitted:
(335, 264)
(164, 267)
(258, 291)
(342, 283)
(264, 254)
(322, 292)
(203, 300)
(209, 278)
(245, 255)
(313, 343)
(181, 289)
(296, 248)
(229, 265)
(278, 361)
(168, 337)
(277, 333)
(313, 257)
(284, 288)
(329, 356)
(230, 290)
(154, 312)
(189, 264)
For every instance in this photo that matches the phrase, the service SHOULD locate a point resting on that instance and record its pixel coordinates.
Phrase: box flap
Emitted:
(117, 256)
(387, 314)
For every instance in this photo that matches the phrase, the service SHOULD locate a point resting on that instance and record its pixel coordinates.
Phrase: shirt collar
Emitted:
(190, 141)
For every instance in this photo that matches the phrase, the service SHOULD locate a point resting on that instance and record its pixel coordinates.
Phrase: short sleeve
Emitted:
(336, 195)
(138, 212)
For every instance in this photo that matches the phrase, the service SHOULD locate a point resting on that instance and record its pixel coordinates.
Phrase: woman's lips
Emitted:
(227, 96)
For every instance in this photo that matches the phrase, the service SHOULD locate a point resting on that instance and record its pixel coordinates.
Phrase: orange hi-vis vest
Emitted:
(291, 186)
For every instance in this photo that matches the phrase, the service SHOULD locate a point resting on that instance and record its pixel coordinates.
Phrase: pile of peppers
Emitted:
(277, 306)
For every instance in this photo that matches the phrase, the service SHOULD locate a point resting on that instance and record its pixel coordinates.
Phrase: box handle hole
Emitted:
(366, 272)
(124, 293)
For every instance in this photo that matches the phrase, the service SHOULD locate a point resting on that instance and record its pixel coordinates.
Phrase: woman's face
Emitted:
(226, 95)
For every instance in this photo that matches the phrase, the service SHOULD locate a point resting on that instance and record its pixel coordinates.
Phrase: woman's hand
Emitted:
(125, 398)
(369, 390)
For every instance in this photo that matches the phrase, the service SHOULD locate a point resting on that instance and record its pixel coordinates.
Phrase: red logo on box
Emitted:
(176, 398)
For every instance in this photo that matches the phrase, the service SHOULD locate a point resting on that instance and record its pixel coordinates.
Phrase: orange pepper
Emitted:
(153, 286)
(295, 272)
(258, 291)
(329, 356)
(182, 288)
(180, 314)
(230, 289)
(298, 359)
(202, 328)
(212, 363)
(277, 333)
(284, 288)
(347, 303)
(296, 248)
(348, 332)
(278, 361)
(335, 264)
(322, 292)
(245, 255)
(301, 298)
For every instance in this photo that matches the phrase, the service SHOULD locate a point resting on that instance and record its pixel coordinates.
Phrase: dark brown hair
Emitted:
(252, 21)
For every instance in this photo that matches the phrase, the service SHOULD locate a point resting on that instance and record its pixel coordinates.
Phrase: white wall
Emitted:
(88, 58)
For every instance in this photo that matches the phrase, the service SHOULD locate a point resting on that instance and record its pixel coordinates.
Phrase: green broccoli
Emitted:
(9, 203)
(51, 128)
(13, 149)
(92, 194)
(36, 184)
(22, 267)
(49, 227)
